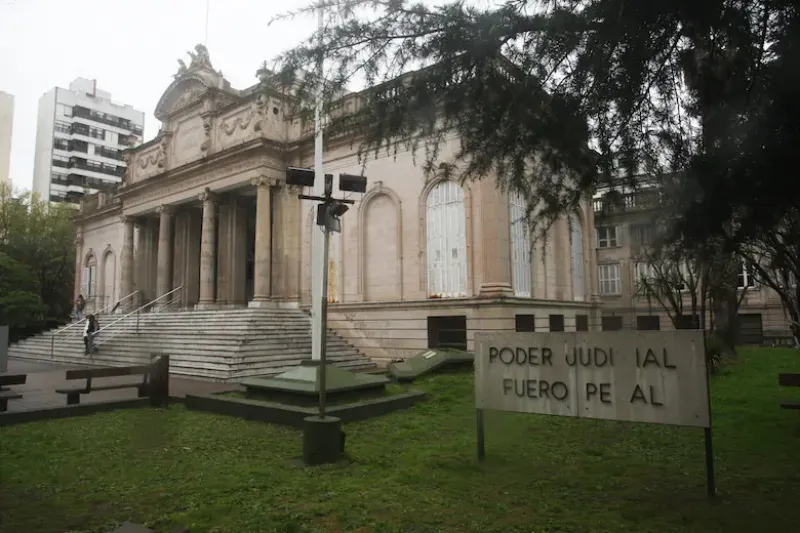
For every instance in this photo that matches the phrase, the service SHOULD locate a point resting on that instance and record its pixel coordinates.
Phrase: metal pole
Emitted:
(710, 482)
(317, 263)
(481, 443)
(323, 337)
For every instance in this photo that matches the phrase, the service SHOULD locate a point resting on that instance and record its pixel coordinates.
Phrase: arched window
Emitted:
(89, 285)
(576, 242)
(520, 246)
(447, 241)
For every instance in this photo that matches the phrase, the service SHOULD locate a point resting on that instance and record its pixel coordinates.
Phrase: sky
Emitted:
(131, 48)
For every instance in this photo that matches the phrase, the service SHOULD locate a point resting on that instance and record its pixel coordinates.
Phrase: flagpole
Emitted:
(317, 237)
(208, 7)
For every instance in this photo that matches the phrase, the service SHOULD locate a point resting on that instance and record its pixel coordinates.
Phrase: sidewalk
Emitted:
(44, 378)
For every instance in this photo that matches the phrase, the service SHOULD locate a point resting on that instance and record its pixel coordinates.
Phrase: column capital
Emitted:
(264, 181)
(208, 196)
(165, 209)
(78, 241)
(127, 219)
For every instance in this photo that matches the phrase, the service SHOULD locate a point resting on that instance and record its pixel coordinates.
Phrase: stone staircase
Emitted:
(219, 345)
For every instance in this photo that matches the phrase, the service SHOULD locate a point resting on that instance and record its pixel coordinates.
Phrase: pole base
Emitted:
(322, 440)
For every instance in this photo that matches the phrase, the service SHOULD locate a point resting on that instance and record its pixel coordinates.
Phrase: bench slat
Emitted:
(789, 380)
(10, 395)
(83, 390)
(13, 379)
(790, 405)
(107, 372)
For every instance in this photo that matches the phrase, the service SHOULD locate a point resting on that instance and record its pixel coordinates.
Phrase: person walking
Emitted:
(89, 331)
(80, 305)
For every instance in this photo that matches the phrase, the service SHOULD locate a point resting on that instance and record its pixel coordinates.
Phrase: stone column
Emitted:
(495, 246)
(78, 265)
(164, 273)
(263, 248)
(126, 262)
(208, 247)
(237, 245)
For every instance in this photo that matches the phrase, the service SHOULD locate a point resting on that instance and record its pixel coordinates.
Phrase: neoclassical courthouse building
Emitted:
(204, 206)
(204, 214)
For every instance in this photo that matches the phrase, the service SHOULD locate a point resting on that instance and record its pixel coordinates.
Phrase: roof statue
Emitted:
(199, 60)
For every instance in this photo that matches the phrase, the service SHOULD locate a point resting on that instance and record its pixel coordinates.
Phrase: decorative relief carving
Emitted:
(260, 111)
(165, 210)
(206, 144)
(239, 120)
(157, 157)
(264, 181)
(208, 196)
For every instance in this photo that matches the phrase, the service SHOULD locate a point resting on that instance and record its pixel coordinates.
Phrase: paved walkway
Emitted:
(44, 378)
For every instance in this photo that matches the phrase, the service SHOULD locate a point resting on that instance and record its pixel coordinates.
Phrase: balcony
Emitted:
(106, 152)
(615, 202)
(110, 120)
(94, 166)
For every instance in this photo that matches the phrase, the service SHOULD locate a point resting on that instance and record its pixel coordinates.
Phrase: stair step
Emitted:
(219, 345)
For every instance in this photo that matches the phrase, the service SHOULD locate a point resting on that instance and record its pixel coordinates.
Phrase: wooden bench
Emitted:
(7, 394)
(154, 383)
(789, 380)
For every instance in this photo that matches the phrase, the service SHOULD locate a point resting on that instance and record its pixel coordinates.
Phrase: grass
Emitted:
(415, 471)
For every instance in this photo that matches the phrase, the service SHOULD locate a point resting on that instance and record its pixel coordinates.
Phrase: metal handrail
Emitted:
(81, 322)
(136, 312)
(110, 306)
(148, 304)
(108, 336)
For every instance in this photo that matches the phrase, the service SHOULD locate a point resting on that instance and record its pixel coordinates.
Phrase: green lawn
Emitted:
(415, 471)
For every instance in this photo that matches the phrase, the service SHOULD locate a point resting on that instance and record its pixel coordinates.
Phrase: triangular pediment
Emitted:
(180, 94)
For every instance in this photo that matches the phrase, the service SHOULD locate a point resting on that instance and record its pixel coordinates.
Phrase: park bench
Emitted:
(789, 380)
(7, 394)
(158, 371)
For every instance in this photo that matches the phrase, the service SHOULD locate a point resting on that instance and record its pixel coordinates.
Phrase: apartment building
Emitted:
(623, 230)
(80, 136)
(6, 126)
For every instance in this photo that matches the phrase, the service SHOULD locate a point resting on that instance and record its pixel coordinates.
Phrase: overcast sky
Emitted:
(131, 47)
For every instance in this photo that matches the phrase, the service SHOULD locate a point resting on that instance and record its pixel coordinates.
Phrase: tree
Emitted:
(700, 92)
(671, 275)
(37, 242)
(774, 258)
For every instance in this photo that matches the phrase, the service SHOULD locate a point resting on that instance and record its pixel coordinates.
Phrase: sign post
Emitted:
(640, 376)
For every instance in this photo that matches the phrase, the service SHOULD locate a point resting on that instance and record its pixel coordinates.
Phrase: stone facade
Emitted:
(620, 239)
(204, 207)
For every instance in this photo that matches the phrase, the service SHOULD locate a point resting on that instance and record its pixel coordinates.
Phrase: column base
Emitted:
(262, 304)
(495, 290)
(206, 305)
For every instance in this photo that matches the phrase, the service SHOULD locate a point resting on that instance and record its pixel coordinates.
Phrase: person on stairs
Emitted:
(89, 331)
(80, 305)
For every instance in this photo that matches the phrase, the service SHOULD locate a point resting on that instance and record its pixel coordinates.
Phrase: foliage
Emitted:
(414, 471)
(774, 258)
(695, 94)
(674, 274)
(715, 351)
(20, 302)
(37, 252)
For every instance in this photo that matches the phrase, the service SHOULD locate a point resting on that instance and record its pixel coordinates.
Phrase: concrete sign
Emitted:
(638, 376)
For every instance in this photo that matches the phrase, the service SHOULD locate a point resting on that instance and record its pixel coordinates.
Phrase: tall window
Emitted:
(747, 279)
(447, 241)
(608, 276)
(520, 247)
(90, 277)
(607, 237)
(576, 242)
(643, 234)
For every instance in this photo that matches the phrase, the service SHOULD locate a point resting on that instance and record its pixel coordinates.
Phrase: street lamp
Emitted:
(329, 213)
